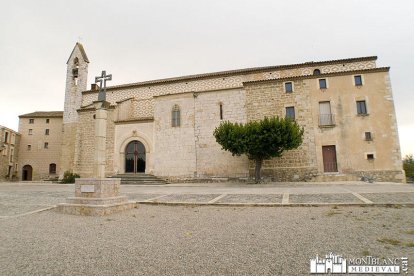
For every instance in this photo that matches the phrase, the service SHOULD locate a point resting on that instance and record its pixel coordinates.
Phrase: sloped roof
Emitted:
(43, 114)
(237, 71)
(82, 50)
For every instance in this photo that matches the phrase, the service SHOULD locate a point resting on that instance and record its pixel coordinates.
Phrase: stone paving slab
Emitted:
(251, 198)
(324, 198)
(141, 197)
(390, 197)
(203, 198)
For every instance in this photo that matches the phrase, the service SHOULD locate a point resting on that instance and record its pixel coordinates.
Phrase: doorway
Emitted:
(329, 159)
(27, 173)
(135, 157)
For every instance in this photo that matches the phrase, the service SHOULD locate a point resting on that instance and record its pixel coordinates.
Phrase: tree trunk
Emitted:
(258, 170)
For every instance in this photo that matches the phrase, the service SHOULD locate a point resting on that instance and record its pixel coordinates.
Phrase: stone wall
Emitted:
(174, 147)
(211, 160)
(346, 133)
(270, 99)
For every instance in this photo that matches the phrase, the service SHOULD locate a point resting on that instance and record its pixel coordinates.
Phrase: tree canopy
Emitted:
(260, 140)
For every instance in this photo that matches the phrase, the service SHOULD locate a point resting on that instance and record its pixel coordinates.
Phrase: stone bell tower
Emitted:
(76, 82)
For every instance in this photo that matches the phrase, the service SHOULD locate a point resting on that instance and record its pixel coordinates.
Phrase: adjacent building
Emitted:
(40, 145)
(9, 154)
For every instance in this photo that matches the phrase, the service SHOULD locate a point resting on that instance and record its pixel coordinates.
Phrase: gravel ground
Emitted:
(187, 198)
(207, 240)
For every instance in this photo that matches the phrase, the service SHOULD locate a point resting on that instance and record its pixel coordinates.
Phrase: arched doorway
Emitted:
(135, 157)
(27, 173)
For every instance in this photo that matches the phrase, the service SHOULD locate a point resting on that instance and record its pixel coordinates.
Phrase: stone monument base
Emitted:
(96, 197)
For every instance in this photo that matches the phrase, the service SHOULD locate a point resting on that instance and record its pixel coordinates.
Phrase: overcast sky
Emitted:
(150, 39)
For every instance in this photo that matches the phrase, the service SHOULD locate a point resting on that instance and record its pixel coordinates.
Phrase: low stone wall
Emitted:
(382, 176)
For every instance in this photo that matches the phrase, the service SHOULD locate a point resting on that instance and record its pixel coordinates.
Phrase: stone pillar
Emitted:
(97, 196)
(100, 138)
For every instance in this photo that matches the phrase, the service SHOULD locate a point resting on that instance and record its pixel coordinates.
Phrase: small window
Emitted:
(46, 146)
(370, 156)
(221, 111)
(47, 121)
(11, 155)
(31, 121)
(6, 137)
(322, 84)
(368, 136)
(288, 87)
(47, 131)
(29, 147)
(358, 80)
(290, 112)
(361, 108)
(30, 131)
(175, 118)
(316, 72)
(52, 168)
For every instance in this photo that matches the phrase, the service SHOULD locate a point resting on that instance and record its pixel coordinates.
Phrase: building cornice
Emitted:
(232, 72)
(334, 74)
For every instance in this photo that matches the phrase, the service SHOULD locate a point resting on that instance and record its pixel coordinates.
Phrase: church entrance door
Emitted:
(135, 157)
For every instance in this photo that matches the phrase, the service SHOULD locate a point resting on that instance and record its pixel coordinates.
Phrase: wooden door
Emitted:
(329, 159)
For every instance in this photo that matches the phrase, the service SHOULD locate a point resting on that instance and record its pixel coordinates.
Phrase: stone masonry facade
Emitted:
(174, 120)
(9, 154)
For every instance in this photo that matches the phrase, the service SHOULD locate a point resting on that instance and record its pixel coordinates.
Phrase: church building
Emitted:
(165, 127)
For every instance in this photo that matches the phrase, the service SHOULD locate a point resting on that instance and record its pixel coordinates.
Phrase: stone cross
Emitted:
(102, 88)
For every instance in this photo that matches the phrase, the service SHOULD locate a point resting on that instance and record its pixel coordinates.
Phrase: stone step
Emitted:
(140, 179)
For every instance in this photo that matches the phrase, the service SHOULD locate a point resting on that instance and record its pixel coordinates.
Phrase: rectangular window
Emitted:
(322, 84)
(46, 145)
(31, 121)
(47, 131)
(361, 108)
(30, 131)
(326, 117)
(6, 137)
(288, 87)
(358, 80)
(290, 112)
(368, 136)
(29, 147)
(11, 155)
(370, 156)
(221, 111)
(47, 121)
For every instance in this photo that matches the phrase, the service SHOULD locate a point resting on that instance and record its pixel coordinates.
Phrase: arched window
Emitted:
(52, 168)
(76, 61)
(316, 72)
(175, 122)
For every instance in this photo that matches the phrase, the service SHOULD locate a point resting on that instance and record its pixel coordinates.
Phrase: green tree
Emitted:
(408, 165)
(260, 140)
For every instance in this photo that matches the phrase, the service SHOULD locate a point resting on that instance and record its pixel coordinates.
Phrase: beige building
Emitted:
(165, 127)
(9, 154)
(40, 145)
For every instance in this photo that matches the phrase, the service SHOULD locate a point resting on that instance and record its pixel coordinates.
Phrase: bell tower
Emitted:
(76, 82)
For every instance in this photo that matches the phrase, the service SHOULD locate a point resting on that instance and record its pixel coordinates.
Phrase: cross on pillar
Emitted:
(102, 88)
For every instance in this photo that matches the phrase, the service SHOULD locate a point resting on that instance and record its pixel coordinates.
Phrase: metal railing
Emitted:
(326, 120)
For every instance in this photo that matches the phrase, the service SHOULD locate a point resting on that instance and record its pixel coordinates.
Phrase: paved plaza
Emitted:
(205, 229)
